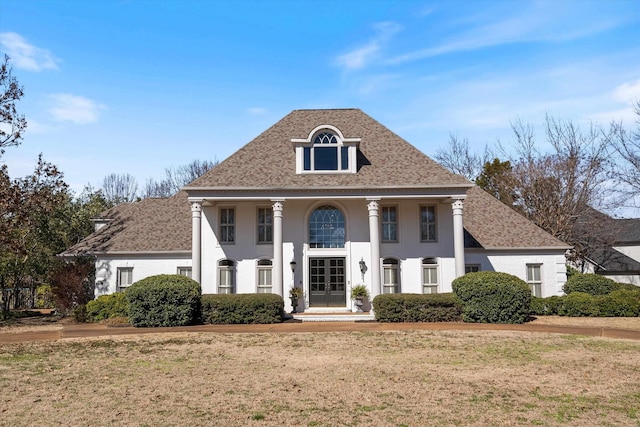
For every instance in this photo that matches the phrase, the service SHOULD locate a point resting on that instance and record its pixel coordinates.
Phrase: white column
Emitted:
(277, 248)
(196, 246)
(458, 236)
(374, 243)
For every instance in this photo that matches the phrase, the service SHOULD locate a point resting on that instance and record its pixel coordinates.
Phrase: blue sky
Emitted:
(134, 86)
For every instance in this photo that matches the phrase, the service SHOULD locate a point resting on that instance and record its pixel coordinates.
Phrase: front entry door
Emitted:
(327, 282)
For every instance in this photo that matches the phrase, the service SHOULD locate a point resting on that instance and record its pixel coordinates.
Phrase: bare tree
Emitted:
(119, 188)
(459, 158)
(12, 125)
(176, 178)
(627, 146)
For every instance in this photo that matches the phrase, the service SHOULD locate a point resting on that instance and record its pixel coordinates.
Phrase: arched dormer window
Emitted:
(325, 150)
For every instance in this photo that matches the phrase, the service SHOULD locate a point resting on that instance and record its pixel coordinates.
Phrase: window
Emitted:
(471, 268)
(429, 276)
(227, 225)
(227, 281)
(265, 225)
(326, 228)
(326, 154)
(184, 271)
(125, 277)
(534, 279)
(264, 276)
(389, 224)
(390, 273)
(427, 223)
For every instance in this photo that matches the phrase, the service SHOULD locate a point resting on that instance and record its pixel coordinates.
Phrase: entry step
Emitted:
(334, 317)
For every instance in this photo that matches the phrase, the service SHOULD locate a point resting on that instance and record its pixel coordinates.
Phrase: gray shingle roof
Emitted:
(151, 225)
(164, 225)
(385, 159)
(496, 226)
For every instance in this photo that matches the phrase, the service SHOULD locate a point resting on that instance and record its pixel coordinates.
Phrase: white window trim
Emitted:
(220, 225)
(260, 268)
(397, 287)
(119, 272)
(533, 284)
(471, 266)
(269, 209)
(232, 270)
(352, 144)
(182, 269)
(435, 266)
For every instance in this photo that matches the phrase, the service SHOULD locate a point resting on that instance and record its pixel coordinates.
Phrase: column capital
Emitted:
(372, 205)
(457, 204)
(278, 205)
(196, 206)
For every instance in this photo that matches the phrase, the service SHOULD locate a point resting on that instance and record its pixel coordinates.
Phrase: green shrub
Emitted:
(44, 297)
(493, 297)
(579, 304)
(627, 287)
(417, 308)
(108, 306)
(621, 303)
(164, 300)
(545, 306)
(592, 284)
(79, 313)
(242, 308)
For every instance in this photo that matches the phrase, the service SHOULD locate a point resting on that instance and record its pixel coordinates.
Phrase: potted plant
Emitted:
(295, 294)
(359, 293)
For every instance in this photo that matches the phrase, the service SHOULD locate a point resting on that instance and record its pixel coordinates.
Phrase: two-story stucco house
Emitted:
(324, 200)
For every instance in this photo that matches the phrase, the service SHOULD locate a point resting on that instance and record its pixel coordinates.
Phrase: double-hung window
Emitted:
(184, 271)
(391, 282)
(429, 275)
(265, 225)
(389, 224)
(227, 225)
(125, 277)
(428, 224)
(265, 285)
(226, 276)
(534, 279)
(471, 268)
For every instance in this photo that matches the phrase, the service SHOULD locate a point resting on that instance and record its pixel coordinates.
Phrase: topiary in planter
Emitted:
(592, 284)
(164, 300)
(492, 297)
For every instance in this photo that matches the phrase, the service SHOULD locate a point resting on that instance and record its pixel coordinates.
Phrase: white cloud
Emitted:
(627, 92)
(25, 55)
(75, 109)
(365, 54)
(257, 110)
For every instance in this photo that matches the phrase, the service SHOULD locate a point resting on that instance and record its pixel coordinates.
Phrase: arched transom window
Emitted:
(326, 228)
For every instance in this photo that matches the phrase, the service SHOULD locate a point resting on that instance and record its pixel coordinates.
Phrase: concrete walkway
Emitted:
(83, 330)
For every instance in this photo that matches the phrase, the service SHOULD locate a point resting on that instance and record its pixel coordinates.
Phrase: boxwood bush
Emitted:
(493, 297)
(242, 308)
(417, 308)
(164, 300)
(107, 306)
(592, 284)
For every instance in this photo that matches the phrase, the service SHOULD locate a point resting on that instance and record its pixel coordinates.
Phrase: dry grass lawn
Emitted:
(402, 378)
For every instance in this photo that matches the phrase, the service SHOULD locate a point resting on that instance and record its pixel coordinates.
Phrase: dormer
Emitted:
(326, 151)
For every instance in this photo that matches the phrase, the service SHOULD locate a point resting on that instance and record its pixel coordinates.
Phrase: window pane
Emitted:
(325, 158)
(345, 158)
(427, 223)
(307, 158)
(326, 228)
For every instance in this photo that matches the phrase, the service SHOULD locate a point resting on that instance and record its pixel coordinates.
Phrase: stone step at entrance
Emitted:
(345, 316)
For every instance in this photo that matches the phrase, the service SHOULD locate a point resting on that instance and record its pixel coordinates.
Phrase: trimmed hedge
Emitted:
(493, 297)
(622, 303)
(107, 306)
(592, 284)
(417, 308)
(242, 308)
(545, 306)
(164, 300)
(579, 304)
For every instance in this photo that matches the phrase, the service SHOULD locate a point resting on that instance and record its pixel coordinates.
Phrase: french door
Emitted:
(327, 282)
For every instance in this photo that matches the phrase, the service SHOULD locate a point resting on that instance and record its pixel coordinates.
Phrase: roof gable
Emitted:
(384, 158)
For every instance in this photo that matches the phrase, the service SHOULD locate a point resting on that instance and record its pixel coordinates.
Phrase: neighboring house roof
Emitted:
(610, 261)
(495, 225)
(150, 225)
(384, 158)
(629, 233)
